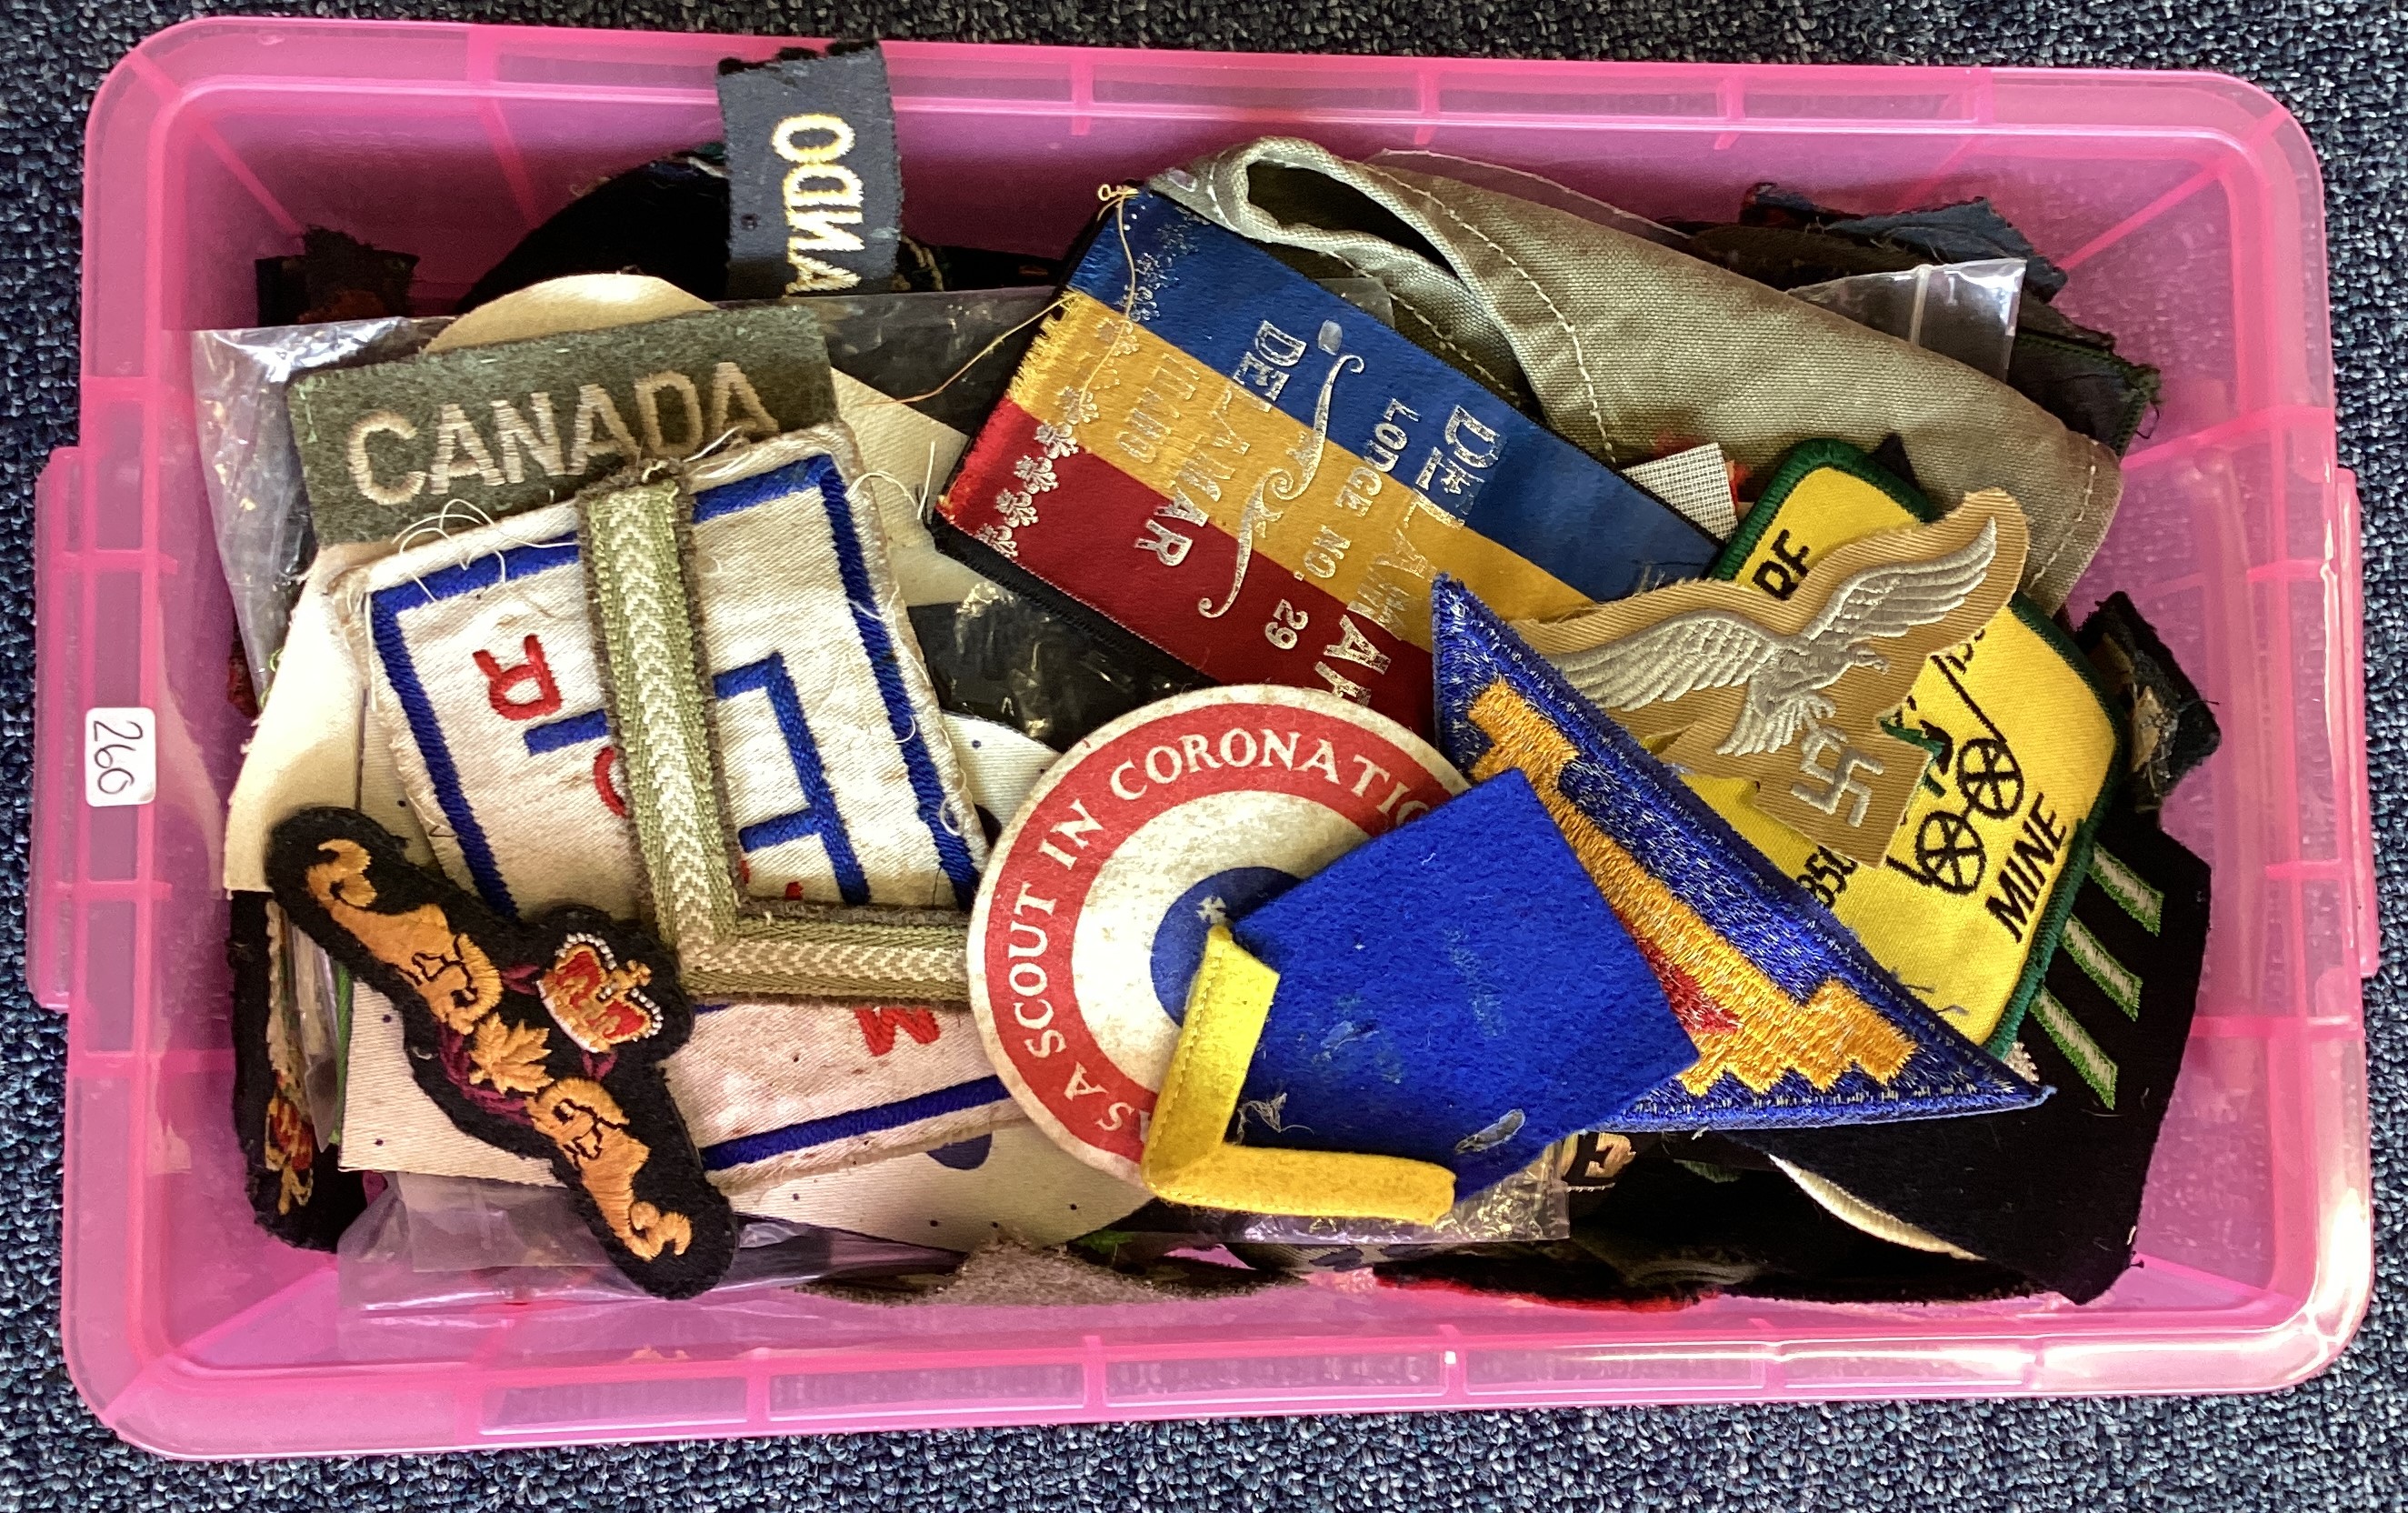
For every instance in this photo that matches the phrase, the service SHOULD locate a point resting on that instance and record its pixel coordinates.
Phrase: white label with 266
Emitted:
(120, 756)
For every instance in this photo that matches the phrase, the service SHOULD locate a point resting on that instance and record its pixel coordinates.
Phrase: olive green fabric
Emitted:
(1624, 342)
(633, 540)
(488, 431)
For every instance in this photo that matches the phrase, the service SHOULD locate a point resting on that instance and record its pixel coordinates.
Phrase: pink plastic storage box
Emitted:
(2189, 210)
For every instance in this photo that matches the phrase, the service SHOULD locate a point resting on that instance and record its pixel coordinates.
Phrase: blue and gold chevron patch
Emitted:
(1796, 1026)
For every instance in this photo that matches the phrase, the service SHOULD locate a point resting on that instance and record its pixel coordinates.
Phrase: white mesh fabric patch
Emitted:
(1697, 483)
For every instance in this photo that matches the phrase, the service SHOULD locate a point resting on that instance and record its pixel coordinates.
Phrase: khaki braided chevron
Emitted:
(724, 944)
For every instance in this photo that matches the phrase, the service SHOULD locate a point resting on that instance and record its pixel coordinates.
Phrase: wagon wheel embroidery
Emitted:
(1990, 778)
(1948, 853)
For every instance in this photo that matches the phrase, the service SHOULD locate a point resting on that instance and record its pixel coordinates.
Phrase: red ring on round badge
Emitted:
(1095, 899)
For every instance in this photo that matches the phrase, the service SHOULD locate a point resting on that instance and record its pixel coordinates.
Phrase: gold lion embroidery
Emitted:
(594, 1000)
(586, 1123)
(452, 972)
(292, 1150)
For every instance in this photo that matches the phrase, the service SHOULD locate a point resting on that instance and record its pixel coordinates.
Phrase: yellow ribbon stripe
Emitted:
(1193, 437)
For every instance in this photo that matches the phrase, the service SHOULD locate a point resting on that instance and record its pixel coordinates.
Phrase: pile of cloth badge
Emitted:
(1376, 716)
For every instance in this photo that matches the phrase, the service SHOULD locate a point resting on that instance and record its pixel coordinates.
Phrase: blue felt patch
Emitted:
(1456, 992)
(1637, 803)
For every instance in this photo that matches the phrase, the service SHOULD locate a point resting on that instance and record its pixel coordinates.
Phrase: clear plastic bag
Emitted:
(899, 344)
(375, 1270)
(1002, 656)
(253, 470)
(437, 1241)
(908, 345)
(312, 989)
(463, 1224)
(1965, 310)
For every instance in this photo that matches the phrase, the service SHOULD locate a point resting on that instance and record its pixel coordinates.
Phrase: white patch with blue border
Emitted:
(840, 785)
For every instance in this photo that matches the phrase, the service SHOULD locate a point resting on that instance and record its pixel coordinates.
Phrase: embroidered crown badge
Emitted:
(596, 1002)
(541, 1037)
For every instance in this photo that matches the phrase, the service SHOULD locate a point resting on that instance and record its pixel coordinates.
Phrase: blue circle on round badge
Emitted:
(1227, 895)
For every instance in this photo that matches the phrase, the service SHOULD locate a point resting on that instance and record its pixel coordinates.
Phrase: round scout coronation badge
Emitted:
(1095, 906)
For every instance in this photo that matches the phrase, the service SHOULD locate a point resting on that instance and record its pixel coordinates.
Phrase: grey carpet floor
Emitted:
(2338, 1443)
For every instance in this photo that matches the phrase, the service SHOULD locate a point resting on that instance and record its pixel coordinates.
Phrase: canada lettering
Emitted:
(394, 458)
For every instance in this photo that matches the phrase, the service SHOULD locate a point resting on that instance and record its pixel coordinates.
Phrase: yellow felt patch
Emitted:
(1187, 1157)
(1965, 900)
(1783, 678)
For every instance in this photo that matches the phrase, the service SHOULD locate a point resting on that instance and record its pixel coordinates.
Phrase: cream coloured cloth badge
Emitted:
(907, 456)
(772, 1090)
(484, 678)
(654, 583)
(1000, 763)
(487, 679)
(306, 748)
(393, 1126)
(844, 1084)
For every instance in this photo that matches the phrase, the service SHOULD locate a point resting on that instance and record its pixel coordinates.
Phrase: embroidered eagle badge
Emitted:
(1786, 679)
